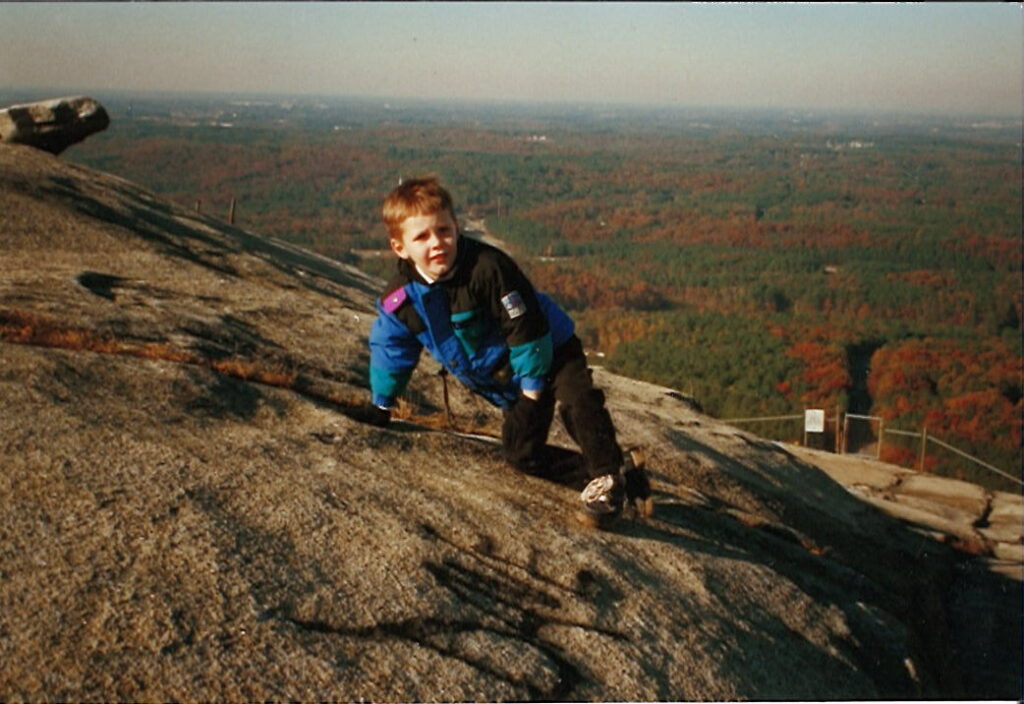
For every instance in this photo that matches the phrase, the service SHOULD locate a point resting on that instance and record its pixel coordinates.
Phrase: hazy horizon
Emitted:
(957, 59)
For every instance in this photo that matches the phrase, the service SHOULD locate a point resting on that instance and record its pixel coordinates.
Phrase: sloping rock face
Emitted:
(53, 125)
(193, 511)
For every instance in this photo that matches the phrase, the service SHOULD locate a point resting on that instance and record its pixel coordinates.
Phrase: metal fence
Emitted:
(926, 438)
(863, 439)
(861, 435)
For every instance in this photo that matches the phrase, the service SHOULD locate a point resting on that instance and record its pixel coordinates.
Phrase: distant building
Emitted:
(852, 144)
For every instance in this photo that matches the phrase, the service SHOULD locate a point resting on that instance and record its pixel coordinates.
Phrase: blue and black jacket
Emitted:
(484, 323)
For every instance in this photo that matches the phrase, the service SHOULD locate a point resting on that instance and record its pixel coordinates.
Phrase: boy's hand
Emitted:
(379, 416)
(532, 395)
(374, 415)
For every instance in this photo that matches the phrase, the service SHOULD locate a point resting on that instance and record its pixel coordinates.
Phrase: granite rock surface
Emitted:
(193, 510)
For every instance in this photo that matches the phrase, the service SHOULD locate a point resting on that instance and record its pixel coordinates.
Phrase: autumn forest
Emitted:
(764, 263)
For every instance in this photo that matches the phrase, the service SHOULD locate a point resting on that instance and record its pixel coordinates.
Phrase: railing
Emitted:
(800, 416)
(926, 438)
(846, 433)
(750, 420)
(842, 439)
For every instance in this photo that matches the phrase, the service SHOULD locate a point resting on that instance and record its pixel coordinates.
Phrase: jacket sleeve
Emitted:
(521, 321)
(394, 353)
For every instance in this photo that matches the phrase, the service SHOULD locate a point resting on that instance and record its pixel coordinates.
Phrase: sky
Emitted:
(920, 57)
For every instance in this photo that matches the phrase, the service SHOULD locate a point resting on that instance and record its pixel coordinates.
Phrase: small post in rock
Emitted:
(839, 430)
(231, 213)
(924, 444)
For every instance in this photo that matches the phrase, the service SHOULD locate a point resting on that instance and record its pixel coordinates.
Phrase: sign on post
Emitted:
(814, 422)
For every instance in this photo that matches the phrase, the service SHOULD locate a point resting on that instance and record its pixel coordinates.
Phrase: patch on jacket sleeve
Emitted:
(514, 305)
(394, 300)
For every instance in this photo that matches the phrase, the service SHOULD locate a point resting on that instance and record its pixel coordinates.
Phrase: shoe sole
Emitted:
(643, 506)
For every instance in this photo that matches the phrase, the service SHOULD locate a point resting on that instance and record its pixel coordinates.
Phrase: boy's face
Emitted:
(428, 241)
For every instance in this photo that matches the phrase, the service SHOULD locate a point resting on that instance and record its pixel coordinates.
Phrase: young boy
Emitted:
(471, 306)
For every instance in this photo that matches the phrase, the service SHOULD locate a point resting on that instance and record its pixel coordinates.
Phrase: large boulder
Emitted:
(53, 125)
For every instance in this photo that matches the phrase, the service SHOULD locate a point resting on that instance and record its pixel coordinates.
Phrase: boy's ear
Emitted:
(398, 247)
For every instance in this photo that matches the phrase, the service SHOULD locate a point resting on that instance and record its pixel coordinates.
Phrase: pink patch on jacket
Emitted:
(394, 300)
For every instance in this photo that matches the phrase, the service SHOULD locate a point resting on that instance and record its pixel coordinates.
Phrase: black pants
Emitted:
(581, 408)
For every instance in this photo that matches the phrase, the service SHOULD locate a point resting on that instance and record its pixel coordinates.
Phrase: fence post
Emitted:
(839, 412)
(198, 204)
(846, 433)
(924, 444)
(231, 213)
(881, 435)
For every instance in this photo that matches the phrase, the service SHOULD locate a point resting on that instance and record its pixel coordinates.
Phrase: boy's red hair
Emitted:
(418, 196)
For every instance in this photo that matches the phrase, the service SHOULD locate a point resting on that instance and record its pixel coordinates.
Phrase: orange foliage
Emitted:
(607, 329)
(903, 456)
(962, 392)
(596, 288)
(929, 278)
(999, 251)
(825, 375)
(973, 415)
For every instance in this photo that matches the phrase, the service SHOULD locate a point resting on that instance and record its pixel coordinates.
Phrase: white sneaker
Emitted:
(604, 496)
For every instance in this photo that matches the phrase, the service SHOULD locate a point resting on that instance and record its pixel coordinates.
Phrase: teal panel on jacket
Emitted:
(472, 328)
(388, 384)
(532, 359)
